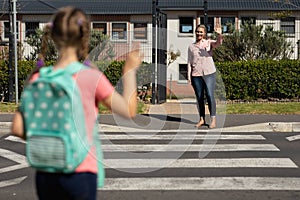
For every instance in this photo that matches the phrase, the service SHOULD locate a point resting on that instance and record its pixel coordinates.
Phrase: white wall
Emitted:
(178, 41)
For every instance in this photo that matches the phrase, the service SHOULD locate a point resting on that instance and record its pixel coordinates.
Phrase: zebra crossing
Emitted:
(138, 154)
(193, 160)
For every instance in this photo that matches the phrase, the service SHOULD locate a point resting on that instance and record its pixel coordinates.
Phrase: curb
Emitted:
(260, 127)
(267, 127)
(279, 127)
(4, 128)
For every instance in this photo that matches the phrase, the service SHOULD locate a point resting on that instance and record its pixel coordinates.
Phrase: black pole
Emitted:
(11, 53)
(154, 18)
(205, 14)
(298, 43)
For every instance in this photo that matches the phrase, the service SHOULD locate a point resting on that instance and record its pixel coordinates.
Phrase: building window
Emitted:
(183, 72)
(100, 27)
(228, 24)
(186, 25)
(268, 23)
(7, 28)
(140, 31)
(210, 24)
(288, 25)
(30, 28)
(248, 20)
(119, 31)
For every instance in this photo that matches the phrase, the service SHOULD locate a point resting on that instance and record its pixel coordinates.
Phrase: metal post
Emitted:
(170, 87)
(205, 14)
(10, 60)
(298, 49)
(154, 50)
(15, 49)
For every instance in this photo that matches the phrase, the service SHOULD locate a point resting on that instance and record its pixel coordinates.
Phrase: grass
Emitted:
(236, 108)
(142, 108)
(12, 107)
(7, 107)
(264, 108)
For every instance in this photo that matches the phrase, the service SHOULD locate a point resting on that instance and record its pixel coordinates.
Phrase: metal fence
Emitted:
(114, 49)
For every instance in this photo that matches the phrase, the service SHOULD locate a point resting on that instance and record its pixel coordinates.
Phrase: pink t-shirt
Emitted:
(200, 61)
(94, 87)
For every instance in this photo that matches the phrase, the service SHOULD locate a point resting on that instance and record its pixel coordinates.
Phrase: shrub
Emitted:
(261, 79)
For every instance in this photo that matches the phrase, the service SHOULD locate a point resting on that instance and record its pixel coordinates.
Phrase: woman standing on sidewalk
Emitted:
(202, 71)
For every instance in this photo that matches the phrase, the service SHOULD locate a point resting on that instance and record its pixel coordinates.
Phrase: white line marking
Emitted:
(293, 138)
(15, 139)
(259, 127)
(165, 137)
(12, 181)
(201, 163)
(189, 147)
(20, 159)
(203, 183)
(13, 167)
(113, 128)
(180, 137)
(13, 156)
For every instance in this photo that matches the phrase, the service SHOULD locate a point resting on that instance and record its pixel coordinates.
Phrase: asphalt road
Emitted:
(169, 165)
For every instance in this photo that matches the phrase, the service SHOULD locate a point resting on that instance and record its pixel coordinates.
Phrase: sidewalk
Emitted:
(182, 115)
(182, 106)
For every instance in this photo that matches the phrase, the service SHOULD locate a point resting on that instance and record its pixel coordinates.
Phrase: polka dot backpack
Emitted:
(54, 120)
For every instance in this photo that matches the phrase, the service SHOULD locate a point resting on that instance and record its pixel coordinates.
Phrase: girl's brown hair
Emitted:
(69, 27)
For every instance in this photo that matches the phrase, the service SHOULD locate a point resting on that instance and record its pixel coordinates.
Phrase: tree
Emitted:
(100, 47)
(274, 45)
(172, 55)
(253, 42)
(35, 41)
(231, 48)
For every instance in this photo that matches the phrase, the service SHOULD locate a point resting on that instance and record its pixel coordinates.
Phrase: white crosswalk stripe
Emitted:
(203, 183)
(190, 147)
(182, 137)
(122, 145)
(201, 163)
(118, 146)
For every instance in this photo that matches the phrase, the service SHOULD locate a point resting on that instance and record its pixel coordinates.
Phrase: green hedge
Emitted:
(112, 70)
(114, 73)
(24, 69)
(261, 79)
(243, 80)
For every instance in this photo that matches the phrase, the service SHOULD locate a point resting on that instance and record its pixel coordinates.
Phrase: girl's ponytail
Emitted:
(41, 57)
(44, 46)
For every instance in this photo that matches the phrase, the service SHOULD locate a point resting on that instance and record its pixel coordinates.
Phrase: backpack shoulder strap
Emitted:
(74, 67)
